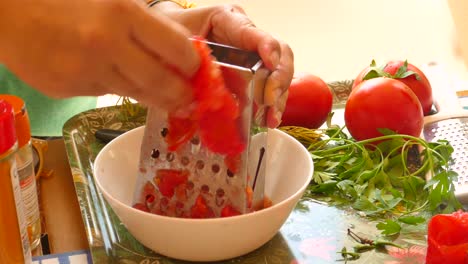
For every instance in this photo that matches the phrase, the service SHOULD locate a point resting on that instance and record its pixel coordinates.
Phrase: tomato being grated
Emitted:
(215, 113)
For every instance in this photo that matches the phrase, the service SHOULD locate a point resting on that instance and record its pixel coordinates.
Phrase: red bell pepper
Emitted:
(448, 239)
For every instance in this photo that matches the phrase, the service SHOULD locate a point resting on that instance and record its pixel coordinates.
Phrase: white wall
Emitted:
(335, 39)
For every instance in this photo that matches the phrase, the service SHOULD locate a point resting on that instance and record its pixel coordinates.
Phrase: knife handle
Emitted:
(106, 135)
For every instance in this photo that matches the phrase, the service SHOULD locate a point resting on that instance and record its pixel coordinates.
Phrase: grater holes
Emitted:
(164, 132)
(190, 185)
(155, 153)
(219, 199)
(215, 168)
(205, 189)
(185, 160)
(200, 165)
(220, 192)
(170, 156)
(195, 141)
(229, 173)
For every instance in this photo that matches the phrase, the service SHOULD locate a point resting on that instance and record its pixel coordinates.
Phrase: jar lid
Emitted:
(7, 127)
(22, 124)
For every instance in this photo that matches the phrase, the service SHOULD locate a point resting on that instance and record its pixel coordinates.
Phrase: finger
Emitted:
(275, 113)
(150, 75)
(230, 25)
(114, 82)
(280, 79)
(161, 37)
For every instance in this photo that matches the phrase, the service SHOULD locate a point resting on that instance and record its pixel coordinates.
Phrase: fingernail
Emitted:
(274, 118)
(274, 59)
(278, 116)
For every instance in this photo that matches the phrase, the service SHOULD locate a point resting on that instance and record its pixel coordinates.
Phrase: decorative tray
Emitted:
(314, 232)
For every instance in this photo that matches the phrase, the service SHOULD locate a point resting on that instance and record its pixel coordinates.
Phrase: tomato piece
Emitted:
(200, 209)
(141, 207)
(168, 179)
(249, 196)
(405, 72)
(448, 239)
(309, 102)
(221, 134)
(181, 130)
(233, 162)
(215, 114)
(383, 103)
(228, 211)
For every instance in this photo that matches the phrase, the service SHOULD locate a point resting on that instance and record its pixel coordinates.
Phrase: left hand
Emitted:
(229, 25)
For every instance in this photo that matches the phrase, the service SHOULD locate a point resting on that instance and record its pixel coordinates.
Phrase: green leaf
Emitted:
(326, 187)
(372, 74)
(320, 177)
(366, 175)
(407, 74)
(402, 69)
(386, 131)
(413, 187)
(363, 204)
(412, 220)
(347, 187)
(389, 227)
(403, 72)
(348, 255)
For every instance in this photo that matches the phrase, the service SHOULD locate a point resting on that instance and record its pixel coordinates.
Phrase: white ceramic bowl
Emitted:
(290, 169)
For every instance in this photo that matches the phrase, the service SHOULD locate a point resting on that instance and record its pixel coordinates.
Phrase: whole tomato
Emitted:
(382, 103)
(309, 102)
(405, 72)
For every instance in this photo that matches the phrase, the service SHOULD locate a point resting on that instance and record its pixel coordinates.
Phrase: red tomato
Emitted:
(200, 209)
(382, 103)
(233, 163)
(216, 111)
(417, 82)
(167, 180)
(309, 102)
(448, 239)
(228, 211)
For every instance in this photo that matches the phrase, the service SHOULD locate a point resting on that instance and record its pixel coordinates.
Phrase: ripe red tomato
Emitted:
(309, 102)
(383, 103)
(407, 73)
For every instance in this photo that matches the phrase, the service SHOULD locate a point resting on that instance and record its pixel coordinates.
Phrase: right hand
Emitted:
(94, 47)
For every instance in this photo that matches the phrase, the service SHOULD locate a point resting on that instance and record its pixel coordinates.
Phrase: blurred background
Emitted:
(335, 39)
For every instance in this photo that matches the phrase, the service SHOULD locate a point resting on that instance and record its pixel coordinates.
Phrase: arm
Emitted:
(72, 48)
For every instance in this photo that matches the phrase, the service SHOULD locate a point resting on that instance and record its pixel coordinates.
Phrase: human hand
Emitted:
(94, 47)
(228, 24)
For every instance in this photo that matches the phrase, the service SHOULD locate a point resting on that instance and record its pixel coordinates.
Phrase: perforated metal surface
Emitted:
(454, 130)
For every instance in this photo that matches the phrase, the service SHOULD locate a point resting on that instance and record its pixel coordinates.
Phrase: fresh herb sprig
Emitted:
(401, 179)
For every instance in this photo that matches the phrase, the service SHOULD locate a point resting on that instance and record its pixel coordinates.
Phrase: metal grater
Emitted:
(209, 179)
(454, 129)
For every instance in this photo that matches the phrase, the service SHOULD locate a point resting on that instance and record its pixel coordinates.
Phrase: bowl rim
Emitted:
(204, 220)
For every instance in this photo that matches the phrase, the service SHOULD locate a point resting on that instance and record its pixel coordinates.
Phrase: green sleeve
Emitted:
(47, 115)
